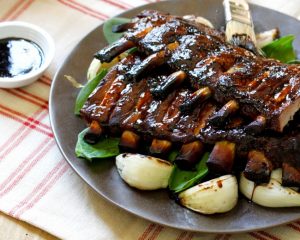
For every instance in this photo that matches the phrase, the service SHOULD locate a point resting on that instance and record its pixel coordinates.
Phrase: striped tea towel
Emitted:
(36, 183)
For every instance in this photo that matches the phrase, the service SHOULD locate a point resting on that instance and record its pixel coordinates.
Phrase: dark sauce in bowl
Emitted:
(19, 56)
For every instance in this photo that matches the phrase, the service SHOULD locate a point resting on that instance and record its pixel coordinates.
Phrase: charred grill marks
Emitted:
(257, 84)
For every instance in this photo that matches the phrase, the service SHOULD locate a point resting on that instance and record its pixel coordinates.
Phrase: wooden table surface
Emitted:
(12, 229)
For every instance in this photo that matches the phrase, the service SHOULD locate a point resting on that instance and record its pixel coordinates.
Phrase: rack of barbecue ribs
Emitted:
(186, 87)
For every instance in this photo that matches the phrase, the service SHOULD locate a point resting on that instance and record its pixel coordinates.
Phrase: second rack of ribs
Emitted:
(263, 88)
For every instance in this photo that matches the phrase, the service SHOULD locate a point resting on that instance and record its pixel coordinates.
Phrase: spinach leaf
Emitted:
(294, 61)
(172, 155)
(281, 49)
(181, 179)
(107, 29)
(106, 147)
(87, 90)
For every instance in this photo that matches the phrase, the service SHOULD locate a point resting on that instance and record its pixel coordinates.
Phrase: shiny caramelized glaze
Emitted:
(261, 86)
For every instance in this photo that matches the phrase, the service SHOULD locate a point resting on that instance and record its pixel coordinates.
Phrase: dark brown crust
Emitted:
(290, 174)
(258, 167)
(262, 86)
(222, 158)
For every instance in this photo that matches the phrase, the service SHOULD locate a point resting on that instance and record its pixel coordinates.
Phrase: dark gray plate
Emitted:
(102, 176)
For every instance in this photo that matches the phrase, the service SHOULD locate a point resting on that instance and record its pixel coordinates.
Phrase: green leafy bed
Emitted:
(105, 148)
(280, 49)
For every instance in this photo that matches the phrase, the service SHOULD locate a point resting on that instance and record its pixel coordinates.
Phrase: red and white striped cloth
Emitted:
(36, 184)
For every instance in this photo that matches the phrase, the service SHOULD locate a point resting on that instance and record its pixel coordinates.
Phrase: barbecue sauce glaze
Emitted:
(19, 56)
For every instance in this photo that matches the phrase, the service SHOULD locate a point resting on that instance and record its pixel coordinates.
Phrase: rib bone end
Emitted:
(173, 81)
(197, 97)
(189, 155)
(94, 133)
(258, 168)
(257, 126)
(220, 117)
(290, 175)
(160, 147)
(221, 158)
(129, 141)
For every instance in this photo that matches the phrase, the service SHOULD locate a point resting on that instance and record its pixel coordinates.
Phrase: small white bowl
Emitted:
(35, 34)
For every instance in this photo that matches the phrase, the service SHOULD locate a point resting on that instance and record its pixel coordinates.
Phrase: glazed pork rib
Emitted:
(264, 90)
(130, 110)
(118, 105)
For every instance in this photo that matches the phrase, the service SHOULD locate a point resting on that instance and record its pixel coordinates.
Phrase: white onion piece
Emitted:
(272, 194)
(144, 172)
(214, 196)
